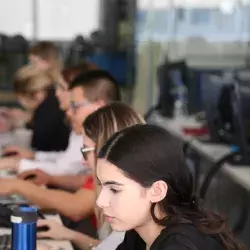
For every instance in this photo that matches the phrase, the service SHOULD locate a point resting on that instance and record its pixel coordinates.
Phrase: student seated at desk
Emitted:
(35, 93)
(147, 190)
(98, 127)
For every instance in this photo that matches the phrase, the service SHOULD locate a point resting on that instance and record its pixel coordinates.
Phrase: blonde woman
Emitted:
(34, 91)
(98, 127)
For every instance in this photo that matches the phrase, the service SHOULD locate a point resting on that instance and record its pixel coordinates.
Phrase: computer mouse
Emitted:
(42, 229)
(40, 215)
(11, 153)
(30, 177)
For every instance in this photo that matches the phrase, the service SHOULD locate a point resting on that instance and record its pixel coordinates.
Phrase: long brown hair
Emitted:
(106, 121)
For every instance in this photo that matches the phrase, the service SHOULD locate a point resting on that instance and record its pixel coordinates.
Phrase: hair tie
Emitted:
(193, 202)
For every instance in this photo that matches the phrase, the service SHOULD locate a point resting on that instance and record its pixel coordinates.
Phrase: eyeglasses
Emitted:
(85, 150)
(74, 106)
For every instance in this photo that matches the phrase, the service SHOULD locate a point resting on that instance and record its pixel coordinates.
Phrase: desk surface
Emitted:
(211, 151)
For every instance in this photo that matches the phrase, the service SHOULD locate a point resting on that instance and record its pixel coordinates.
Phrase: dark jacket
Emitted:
(50, 132)
(178, 237)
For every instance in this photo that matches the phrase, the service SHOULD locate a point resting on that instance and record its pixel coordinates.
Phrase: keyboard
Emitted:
(5, 242)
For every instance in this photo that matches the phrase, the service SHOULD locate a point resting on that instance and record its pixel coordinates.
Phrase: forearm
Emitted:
(61, 201)
(68, 182)
(53, 169)
(83, 241)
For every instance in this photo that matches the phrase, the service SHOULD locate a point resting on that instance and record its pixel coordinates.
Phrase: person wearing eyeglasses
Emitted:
(68, 163)
(98, 127)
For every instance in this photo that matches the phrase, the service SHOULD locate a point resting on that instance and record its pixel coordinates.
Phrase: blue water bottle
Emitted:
(24, 228)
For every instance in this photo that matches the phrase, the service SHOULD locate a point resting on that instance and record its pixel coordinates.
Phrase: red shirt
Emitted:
(88, 184)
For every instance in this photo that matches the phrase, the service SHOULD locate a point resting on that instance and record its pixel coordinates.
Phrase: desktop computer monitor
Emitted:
(179, 72)
(170, 74)
(241, 113)
(165, 103)
(215, 91)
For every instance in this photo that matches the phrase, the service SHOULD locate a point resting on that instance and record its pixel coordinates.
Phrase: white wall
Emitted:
(57, 19)
(16, 17)
(63, 19)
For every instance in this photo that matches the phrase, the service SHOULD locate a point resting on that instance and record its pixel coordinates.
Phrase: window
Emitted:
(200, 16)
(63, 19)
(180, 12)
(16, 18)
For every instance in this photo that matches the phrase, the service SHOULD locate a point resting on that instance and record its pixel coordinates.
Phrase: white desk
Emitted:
(239, 174)
(66, 245)
(213, 152)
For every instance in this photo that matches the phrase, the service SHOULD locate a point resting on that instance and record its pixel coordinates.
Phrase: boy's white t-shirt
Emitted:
(68, 162)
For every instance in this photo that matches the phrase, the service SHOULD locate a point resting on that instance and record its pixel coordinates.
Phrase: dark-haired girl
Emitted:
(147, 190)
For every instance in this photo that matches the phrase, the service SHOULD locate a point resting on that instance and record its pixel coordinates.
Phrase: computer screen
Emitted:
(180, 73)
(214, 91)
(241, 113)
(176, 76)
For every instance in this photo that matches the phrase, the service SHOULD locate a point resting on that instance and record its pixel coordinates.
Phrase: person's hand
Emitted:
(40, 177)
(21, 152)
(56, 231)
(9, 163)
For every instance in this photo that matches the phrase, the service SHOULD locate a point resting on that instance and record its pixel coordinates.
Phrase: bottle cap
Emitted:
(24, 215)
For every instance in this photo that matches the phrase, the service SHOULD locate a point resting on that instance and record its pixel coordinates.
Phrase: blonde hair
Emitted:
(103, 123)
(28, 80)
(48, 52)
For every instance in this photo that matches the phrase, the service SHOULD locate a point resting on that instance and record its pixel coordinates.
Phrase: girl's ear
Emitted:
(158, 191)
